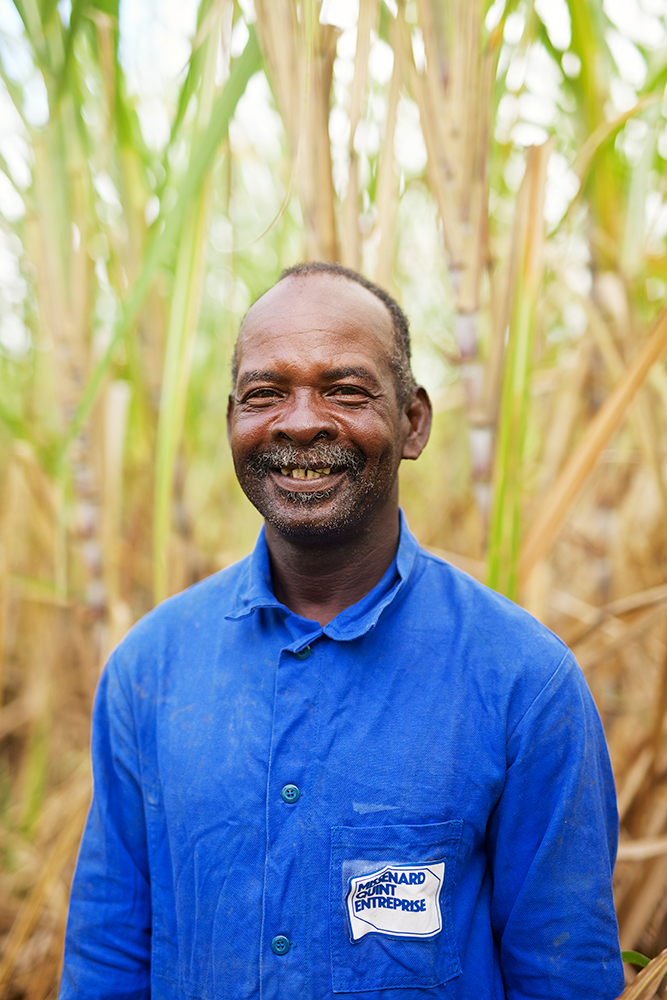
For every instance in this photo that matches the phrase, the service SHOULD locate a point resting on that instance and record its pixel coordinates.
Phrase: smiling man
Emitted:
(324, 410)
(341, 766)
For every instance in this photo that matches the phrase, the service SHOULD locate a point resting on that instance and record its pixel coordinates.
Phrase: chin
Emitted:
(313, 518)
(305, 523)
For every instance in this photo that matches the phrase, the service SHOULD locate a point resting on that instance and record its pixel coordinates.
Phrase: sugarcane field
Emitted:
(500, 168)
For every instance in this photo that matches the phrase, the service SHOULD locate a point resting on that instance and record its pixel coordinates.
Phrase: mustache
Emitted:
(322, 455)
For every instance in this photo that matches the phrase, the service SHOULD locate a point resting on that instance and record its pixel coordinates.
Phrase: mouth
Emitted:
(295, 473)
(307, 472)
(305, 479)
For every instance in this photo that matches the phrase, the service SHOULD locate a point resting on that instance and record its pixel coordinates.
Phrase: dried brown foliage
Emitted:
(115, 486)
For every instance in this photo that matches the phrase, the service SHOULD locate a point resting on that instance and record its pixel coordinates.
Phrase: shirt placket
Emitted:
(284, 962)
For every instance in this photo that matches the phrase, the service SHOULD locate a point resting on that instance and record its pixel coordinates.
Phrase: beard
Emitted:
(322, 455)
(297, 514)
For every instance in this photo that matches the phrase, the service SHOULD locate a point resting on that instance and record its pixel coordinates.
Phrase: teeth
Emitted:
(305, 473)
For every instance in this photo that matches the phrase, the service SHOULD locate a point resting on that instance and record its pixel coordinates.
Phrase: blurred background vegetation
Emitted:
(501, 168)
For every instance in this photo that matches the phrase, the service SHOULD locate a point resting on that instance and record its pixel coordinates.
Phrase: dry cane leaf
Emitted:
(640, 850)
(648, 980)
(32, 907)
(547, 523)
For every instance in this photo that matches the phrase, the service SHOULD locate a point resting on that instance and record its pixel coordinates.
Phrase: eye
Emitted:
(347, 390)
(263, 394)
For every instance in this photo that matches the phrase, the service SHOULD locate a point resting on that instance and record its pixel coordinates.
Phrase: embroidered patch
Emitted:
(397, 900)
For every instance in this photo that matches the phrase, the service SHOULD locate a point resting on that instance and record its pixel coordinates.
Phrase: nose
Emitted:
(304, 417)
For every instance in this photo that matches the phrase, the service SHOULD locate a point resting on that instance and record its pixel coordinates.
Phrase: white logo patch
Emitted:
(397, 900)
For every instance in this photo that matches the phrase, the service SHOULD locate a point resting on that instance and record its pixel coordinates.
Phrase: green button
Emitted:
(304, 653)
(290, 794)
(280, 945)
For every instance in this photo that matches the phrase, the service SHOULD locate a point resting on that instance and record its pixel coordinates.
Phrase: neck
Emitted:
(320, 581)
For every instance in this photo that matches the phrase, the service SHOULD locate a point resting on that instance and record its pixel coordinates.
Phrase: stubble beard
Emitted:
(293, 513)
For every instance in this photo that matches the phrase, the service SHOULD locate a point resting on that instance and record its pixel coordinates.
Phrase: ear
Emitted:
(419, 414)
(230, 415)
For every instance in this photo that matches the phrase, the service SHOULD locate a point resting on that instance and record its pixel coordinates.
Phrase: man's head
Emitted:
(400, 360)
(324, 406)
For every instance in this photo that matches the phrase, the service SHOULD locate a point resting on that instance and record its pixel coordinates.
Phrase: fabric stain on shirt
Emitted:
(369, 807)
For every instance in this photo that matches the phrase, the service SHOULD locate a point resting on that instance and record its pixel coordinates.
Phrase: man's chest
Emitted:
(280, 783)
(396, 732)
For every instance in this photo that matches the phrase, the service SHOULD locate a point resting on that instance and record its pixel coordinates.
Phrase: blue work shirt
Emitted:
(452, 827)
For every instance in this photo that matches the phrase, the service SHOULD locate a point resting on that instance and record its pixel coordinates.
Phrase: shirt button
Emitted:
(304, 653)
(280, 945)
(290, 794)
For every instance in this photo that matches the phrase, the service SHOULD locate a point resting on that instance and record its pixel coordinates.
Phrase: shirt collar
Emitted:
(255, 589)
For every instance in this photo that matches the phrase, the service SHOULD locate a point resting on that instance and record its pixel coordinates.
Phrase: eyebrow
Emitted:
(247, 378)
(331, 375)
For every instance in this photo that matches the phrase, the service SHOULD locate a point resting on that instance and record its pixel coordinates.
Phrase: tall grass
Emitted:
(531, 258)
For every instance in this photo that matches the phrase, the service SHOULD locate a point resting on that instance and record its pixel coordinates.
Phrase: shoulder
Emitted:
(491, 642)
(180, 624)
(457, 599)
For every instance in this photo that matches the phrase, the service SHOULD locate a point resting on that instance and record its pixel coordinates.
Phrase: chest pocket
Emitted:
(393, 929)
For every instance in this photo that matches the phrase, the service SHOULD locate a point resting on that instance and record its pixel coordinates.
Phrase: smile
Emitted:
(304, 473)
(299, 479)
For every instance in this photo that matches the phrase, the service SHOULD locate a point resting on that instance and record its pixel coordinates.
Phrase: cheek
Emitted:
(382, 450)
(248, 430)
(380, 433)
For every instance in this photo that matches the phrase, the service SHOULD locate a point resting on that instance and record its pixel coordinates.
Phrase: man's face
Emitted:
(314, 423)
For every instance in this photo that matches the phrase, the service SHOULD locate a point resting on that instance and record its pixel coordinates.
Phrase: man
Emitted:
(341, 766)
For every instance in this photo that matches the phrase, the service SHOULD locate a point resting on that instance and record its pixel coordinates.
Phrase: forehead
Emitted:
(303, 317)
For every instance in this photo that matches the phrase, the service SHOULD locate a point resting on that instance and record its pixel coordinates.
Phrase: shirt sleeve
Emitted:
(552, 843)
(107, 946)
